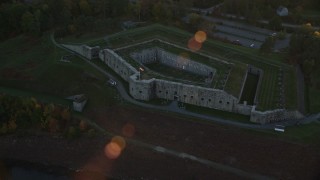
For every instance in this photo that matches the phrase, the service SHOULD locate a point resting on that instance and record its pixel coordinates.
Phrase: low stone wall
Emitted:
(156, 54)
(84, 50)
(276, 115)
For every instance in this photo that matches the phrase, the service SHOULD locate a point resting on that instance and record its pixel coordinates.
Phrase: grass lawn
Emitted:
(311, 13)
(290, 89)
(176, 73)
(305, 134)
(218, 113)
(314, 100)
(33, 65)
(235, 79)
(42, 97)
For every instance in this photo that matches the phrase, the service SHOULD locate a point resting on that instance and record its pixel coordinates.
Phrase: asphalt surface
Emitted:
(173, 107)
(245, 33)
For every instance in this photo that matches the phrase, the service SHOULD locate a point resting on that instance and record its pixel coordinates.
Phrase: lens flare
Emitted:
(115, 147)
(200, 36)
(128, 130)
(119, 141)
(112, 150)
(194, 45)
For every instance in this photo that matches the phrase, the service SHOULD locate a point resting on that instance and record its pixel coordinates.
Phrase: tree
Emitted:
(308, 66)
(267, 46)
(27, 21)
(253, 15)
(83, 125)
(85, 7)
(135, 9)
(194, 19)
(275, 23)
(157, 11)
(207, 26)
(65, 114)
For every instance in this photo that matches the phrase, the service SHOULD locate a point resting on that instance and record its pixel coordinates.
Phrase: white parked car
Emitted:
(273, 34)
(112, 82)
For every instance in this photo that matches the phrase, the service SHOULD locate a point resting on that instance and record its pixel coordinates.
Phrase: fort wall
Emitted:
(276, 115)
(84, 50)
(191, 94)
(119, 65)
(156, 54)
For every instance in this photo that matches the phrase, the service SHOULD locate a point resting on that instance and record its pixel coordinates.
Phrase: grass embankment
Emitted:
(304, 134)
(218, 113)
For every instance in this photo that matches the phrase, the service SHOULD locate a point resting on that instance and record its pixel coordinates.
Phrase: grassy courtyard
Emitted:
(173, 72)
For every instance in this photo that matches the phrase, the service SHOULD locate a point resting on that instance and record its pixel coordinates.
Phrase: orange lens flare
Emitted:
(200, 36)
(194, 45)
(112, 150)
(119, 141)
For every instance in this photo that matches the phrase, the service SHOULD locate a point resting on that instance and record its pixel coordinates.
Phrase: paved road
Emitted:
(171, 108)
(243, 41)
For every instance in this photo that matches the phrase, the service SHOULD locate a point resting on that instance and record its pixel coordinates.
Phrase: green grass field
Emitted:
(314, 99)
(173, 72)
(34, 66)
(218, 113)
(305, 134)
(236, 79)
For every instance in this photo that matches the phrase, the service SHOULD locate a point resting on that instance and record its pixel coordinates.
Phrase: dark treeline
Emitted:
(265, 9)
(304, 50)
(74, 16)
(41, 15)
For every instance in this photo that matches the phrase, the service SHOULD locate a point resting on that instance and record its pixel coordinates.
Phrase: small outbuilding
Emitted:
(282, 11)
(79, 101)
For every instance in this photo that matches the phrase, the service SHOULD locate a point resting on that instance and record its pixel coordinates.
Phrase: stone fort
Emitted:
(147, 89)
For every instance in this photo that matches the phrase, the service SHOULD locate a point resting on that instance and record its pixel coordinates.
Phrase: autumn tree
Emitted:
(267, 45)
(85, 7)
